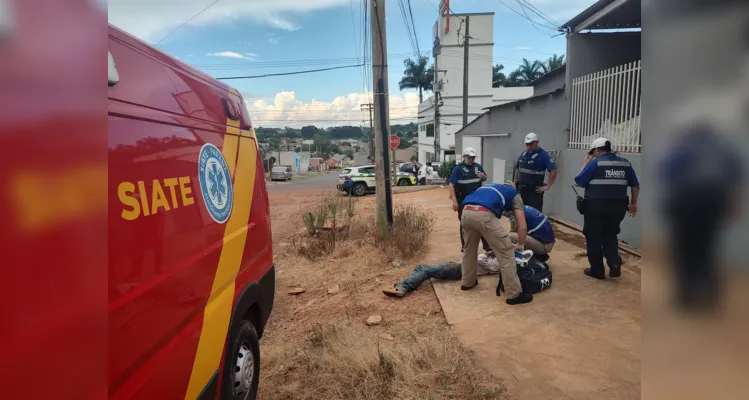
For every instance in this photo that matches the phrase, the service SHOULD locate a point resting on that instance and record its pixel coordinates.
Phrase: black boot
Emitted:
(523, 298)
(589, 272)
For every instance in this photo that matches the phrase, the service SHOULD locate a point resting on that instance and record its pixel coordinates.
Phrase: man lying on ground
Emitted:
(486, 265)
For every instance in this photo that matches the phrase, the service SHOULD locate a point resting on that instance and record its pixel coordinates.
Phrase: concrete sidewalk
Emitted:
(578, 340)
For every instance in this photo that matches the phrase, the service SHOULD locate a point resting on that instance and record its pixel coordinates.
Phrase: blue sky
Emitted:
(253, 37)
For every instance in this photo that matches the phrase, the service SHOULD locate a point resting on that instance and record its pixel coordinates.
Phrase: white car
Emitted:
(360, 180)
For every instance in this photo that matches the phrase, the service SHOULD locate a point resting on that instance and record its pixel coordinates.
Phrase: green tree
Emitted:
(350, 154)
(446, 169)
(499, 79)
(309, 131)
(404, 144)
(552, 63)
(529, 71)
(417, 76)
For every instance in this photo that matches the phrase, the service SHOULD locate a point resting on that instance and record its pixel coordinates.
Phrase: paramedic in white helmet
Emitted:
(465, 179)
(530, 170)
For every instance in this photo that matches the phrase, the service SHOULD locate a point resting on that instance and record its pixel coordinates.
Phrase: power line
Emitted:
(291, 73)
(413, 26)
(523, 16)
(534, 23)
(541, 14)
(184, 23)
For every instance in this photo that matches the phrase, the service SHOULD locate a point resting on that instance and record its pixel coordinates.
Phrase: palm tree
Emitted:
(498, 77)
(417, 76)
(552, 63)
(528, 71)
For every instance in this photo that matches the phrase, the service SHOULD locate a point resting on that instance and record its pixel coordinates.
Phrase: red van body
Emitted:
(191, 276)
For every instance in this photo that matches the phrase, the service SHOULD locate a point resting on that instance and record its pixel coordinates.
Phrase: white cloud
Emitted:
(153, 19)
(286, 110)
(231, 54)
(559, 10)
(521, 48)
(272, 38)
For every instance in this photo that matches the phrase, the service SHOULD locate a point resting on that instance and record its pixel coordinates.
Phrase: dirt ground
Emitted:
(317, 344)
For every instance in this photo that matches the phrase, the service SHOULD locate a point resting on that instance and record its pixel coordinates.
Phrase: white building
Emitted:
(448, 54)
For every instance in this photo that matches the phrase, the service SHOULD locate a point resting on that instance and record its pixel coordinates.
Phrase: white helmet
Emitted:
(469, 151)
(600, 142)
(531, 137)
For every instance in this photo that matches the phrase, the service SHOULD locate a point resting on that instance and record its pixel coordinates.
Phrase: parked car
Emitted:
(281, 173)
(191, 279)
(360, 180)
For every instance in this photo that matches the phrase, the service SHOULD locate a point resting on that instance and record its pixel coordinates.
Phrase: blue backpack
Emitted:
(534, 274)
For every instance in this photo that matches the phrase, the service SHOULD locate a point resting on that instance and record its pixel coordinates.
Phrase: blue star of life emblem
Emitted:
(215, 183)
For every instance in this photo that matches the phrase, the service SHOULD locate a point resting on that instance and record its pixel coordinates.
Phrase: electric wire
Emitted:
(186, 22)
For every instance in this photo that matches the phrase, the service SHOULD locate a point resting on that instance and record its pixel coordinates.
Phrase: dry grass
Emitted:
(343, 361)
(411, 226)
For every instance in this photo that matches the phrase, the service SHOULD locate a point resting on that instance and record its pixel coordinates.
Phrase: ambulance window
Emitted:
(113, 76)
(6, 19)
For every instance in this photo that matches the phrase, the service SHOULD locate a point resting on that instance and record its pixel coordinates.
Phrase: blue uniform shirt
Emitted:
(586, 175)
(539, 227)
(455, 175)
(532, 165)
(497, 198)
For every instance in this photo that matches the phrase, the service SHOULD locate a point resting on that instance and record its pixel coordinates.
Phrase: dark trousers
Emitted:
(484, 244)
(602, 219)
(531, 197)
(694, 243)
(423, 181)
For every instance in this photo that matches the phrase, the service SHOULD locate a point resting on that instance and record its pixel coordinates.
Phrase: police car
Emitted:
(360, 180)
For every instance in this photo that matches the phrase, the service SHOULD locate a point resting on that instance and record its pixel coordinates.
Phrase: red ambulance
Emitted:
(191, 275)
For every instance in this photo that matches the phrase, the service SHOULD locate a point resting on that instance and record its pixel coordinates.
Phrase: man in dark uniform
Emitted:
(464, 180)
(605, 177)
(530, 169)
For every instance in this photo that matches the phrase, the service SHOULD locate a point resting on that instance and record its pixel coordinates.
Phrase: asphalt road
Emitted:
(322, 183)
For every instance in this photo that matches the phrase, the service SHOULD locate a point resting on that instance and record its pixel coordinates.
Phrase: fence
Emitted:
(607, 104)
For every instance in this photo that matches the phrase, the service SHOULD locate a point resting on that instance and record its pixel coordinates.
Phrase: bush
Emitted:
(405, 239)
(327, 223)
(446, 169)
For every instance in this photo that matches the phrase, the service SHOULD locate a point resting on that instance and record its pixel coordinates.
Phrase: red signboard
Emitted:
(394, 141)
(445, 10)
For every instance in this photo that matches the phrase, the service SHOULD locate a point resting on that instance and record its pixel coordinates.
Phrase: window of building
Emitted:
(430, 130)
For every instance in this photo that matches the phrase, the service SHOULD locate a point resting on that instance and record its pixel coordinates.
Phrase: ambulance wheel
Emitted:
(359, 189)
(242, 368)
(404, 182)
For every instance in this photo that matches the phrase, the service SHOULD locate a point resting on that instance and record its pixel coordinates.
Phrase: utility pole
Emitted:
(370, 108)
(436, 130)
(466, 39)
(383, 184)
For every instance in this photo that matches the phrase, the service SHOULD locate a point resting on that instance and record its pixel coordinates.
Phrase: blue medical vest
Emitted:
(539, 227)
(495, 197)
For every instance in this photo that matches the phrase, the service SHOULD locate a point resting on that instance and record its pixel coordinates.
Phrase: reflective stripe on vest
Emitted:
(468, 182)
(531, 171)
(608, 182)
(504, 203)
(529, 176)
(539, 226)
(607, 163)
(610, 179)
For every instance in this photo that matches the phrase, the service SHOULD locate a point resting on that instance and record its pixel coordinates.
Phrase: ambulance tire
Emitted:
(404, 182)
(235, 385)
(359, 189)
